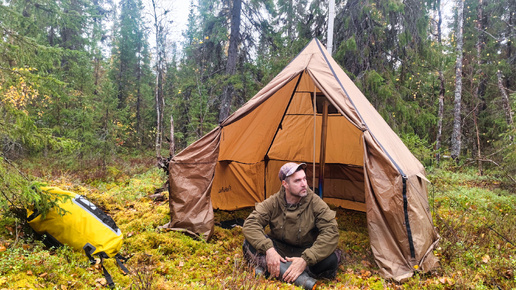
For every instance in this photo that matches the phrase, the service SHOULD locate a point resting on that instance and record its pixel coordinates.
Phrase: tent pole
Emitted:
(315, 135)
(322, 159)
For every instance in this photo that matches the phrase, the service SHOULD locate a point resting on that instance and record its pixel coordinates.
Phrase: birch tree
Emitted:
(479, 88)
(456, 132)
(442, 87)
(160, 31)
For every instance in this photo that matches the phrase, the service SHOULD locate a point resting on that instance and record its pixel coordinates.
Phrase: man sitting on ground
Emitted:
(303, 230)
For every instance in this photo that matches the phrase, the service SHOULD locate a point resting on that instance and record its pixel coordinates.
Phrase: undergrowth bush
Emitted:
(421, 148)
(477, 222)
(509, 155)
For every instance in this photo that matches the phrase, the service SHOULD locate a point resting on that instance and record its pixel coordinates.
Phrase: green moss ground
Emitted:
(474, 216)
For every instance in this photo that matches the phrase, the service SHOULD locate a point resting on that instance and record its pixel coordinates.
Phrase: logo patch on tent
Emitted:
(225, 189)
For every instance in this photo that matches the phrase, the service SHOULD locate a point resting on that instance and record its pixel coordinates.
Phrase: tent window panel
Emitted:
(303, 104)
(320, 98)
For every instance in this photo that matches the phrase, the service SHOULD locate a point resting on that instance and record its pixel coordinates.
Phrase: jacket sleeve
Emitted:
(328, 237)
(254, 227)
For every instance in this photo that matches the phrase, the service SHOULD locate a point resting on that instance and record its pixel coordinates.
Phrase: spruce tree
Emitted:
(130, 73)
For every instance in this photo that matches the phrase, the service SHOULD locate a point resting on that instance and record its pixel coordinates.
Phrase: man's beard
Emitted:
(301, 193)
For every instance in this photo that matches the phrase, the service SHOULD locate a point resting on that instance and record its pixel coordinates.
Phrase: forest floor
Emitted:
(474, 215)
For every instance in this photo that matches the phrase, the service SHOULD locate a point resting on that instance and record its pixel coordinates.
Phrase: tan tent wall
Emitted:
(190, 178)
(273, 182)
(385, 216)
(342, 182)
(424, 235)
(232, 179)
(387, 221)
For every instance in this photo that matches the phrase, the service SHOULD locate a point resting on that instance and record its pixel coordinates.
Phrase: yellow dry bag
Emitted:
(83, 227)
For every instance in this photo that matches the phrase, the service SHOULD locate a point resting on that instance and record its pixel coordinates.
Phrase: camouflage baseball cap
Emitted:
(288, 169)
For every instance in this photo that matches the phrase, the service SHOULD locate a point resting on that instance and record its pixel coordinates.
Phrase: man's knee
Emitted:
(326, 268)
(252, 256)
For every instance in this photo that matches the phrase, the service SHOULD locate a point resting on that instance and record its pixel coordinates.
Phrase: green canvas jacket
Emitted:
(308, 230)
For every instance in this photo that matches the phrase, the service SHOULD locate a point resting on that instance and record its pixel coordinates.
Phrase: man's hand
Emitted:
(273, 262)
(296, 268)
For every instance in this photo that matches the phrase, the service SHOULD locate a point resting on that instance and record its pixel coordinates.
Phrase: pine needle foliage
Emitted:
(18, 194)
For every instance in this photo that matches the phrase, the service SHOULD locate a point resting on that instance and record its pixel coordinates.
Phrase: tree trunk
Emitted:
(479, 90)
(510, 25)
(331, 17)
(234, 41)
(442, 90)
(96, 34)
(505, 101)
(440, 116)
(290, 20)
(96, 72)
(172, 148)
(138, 93)
(456, 133)
(479, 152)
(121, 91)
(158, 90)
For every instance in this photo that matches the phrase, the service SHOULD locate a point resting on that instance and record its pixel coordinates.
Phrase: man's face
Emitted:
(296, 184)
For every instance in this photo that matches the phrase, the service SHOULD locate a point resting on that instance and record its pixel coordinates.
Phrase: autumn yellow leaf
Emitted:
(101, 281)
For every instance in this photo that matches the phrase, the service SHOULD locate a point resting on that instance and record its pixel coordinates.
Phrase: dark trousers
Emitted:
(327, 268)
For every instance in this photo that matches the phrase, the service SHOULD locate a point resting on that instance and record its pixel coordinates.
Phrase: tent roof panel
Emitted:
(248, 140)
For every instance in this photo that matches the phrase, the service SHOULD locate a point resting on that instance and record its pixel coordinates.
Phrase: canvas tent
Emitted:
(365, 164)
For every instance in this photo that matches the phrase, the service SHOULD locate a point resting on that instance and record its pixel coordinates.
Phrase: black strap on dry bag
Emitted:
(120, 260)
(108, 277)
(89, 249)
